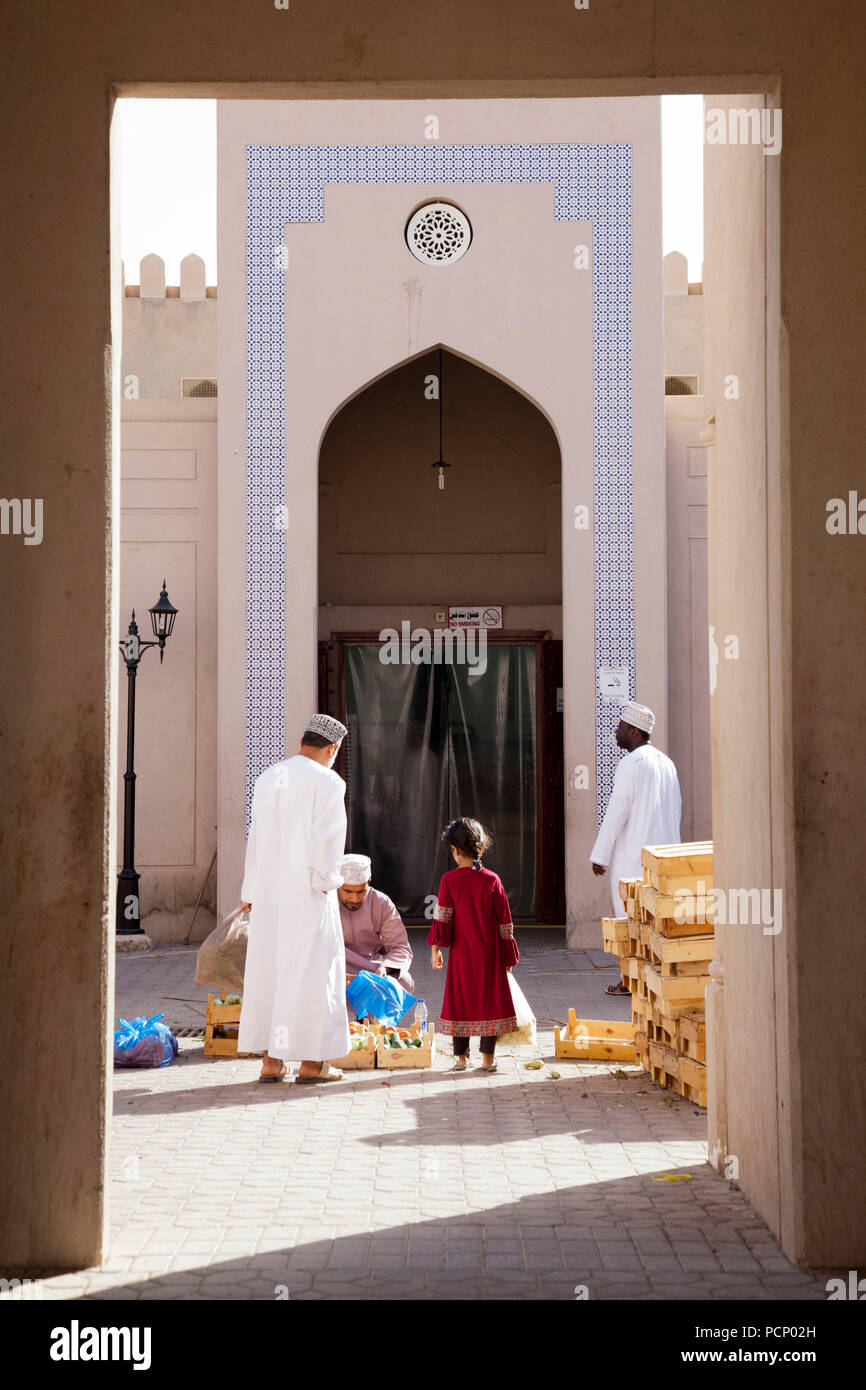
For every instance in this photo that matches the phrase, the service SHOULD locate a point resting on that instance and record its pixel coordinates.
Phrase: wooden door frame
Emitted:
(550, 829)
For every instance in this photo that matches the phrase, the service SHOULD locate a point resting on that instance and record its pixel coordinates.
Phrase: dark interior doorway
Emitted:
(431, 742)
(440, 485)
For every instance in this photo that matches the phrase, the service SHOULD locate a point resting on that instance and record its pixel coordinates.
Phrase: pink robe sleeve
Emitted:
(395, 939)
(442, 927)
(502, 910)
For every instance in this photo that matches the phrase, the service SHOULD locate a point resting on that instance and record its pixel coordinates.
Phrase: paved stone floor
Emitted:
(419, 1185)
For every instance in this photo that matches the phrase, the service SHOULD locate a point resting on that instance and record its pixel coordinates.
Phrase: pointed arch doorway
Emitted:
(431, 739)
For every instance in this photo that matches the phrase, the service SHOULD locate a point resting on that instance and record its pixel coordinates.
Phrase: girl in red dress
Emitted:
(473, 919)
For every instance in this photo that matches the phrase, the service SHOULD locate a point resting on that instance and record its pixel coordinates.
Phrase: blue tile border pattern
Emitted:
(286, 183)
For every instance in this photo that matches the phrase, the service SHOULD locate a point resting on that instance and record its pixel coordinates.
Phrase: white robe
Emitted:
(294, 1003)
(644, 809)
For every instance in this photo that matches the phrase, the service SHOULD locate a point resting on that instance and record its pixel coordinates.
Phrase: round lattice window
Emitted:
(438, 234)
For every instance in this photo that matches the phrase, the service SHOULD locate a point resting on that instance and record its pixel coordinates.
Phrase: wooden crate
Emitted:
(680, 955)
(629, 968)
(638, 902)
(692, 1035)
(614, 935)
(662, 909)
(221, 1029)
(661, 1029)
(693, 1080)
(664, 1065)
(669, 867)
(627, 889)
(394, 1058)
(672, 995)
(595, 1040)
(638, 985)
(361, 1060)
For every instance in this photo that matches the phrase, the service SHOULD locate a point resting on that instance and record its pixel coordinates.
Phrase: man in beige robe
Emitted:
(373, 931)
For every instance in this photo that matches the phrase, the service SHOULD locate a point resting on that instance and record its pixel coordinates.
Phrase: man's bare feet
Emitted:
(311, 1069)
(487, 1062)
(271, 1066)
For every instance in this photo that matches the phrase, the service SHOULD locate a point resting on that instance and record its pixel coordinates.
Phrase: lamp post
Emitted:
(162, 616)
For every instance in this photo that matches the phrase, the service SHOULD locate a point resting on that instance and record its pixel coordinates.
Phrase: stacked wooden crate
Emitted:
(665, 962)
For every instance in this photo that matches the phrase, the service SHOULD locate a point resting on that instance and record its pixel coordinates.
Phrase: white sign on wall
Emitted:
(475, 615)
(613, 684)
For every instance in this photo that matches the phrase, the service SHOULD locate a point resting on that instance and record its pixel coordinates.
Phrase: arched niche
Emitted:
(388, 534)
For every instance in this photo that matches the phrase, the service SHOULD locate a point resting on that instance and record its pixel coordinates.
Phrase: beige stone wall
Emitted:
(688, 655)
(165, 340)
(59, 697)
(169, 530)
(780, 1023)
(533, 330)
(755, 1038)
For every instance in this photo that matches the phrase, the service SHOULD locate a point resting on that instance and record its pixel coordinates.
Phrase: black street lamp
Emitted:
(162, 616)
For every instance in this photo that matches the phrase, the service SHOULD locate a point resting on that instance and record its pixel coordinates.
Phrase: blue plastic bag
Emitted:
(144, 1042)
(379, 996)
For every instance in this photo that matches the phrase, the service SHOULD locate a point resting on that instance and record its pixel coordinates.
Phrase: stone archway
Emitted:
(398, 546)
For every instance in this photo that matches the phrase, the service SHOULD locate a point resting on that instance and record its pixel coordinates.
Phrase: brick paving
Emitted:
(420, 1185)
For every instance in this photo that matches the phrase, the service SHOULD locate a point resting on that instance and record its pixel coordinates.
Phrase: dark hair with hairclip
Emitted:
(469, 837)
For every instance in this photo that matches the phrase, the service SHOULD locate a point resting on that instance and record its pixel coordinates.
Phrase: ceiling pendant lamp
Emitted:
(440, 463)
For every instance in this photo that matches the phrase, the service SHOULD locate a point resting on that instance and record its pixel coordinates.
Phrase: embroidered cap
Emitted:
(328, 727)
(356, 868)
(638, 716)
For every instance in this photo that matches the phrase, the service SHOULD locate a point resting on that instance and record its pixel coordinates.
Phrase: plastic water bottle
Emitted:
(421, 1015)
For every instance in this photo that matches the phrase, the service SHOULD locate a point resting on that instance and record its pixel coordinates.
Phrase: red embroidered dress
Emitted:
(473, 918)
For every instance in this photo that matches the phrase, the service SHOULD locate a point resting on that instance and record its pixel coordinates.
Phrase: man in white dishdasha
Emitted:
(294, 1004)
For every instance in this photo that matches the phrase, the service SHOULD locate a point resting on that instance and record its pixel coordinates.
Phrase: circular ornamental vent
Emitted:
(438, 234)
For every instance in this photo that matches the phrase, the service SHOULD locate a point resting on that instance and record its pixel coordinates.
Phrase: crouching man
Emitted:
(373, 931)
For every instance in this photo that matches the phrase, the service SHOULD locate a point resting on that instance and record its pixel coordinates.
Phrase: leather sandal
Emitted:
(327, 1073)
(277, 1076)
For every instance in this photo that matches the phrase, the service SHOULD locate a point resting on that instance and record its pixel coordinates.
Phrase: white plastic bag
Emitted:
(222, 955)
(525, 1033)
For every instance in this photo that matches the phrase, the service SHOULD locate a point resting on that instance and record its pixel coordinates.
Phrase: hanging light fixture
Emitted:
(440, 462)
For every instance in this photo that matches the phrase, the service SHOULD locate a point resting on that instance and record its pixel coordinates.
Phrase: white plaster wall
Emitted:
(357, 304)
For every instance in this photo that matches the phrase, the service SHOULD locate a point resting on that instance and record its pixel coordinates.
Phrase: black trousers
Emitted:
(461, 1046)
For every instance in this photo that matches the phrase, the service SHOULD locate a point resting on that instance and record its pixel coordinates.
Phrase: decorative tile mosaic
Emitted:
(285, 183)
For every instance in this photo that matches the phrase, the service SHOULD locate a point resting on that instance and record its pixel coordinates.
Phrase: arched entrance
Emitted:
(455, 723)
